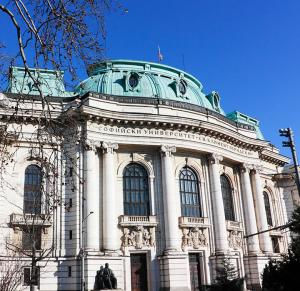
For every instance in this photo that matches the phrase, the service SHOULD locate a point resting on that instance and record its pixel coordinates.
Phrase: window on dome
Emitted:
(133, 80)
(227, 198)
(135, 190)
(182, 87)
(189, 193)
(32, 190)
(268, 208)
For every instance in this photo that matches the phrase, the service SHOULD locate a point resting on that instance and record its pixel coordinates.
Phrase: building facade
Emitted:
(150, 175)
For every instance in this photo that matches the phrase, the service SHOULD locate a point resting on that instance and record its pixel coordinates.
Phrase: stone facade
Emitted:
(90, 228)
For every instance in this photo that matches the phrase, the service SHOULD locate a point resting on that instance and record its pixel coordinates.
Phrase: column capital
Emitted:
(257, 169)
(92, 145)
(109, 147)
(167, 150)
(246, 168)
(214, 158)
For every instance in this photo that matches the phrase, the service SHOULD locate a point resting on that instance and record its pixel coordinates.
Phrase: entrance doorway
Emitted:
(139, 280)
(195, 272)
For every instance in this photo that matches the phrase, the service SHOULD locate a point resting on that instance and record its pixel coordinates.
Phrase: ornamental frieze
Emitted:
(138, 237)
(173, 134)
(194, 237)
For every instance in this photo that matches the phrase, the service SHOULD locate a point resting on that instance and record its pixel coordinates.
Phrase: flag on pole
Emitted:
(159, 55)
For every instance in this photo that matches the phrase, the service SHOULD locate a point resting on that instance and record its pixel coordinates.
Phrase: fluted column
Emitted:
(169, 195)
(221, 242)
(261, 217)
(110, 215)
(249, 210)
(91, 215)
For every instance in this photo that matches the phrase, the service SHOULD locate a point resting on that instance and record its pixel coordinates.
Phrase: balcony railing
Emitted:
(233, 225)
(17, 219)
(128, 220)
(193, 221)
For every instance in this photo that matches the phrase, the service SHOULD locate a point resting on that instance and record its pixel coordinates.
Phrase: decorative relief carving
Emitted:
(235, 239)
(194, 237)
(109, 147)
(138, 237)
(215, 159)
(168, 150)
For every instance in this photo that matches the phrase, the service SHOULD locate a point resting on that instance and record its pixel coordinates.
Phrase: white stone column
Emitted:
(169, 199)
(91, 216)
(261, 217)
(221, 240)
(111, 241)
(249, 210)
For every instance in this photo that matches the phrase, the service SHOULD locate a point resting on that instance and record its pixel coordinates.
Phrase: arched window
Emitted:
(268, 208)
(189, 193)
(227, 198)
(135, 190)
(32, 190)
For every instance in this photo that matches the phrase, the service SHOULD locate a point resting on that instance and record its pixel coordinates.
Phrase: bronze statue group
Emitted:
(105, 279)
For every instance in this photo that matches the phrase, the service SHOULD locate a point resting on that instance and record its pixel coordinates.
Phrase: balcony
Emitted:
(126, 220)
(19, 220)
(202, 222)
(234, 225)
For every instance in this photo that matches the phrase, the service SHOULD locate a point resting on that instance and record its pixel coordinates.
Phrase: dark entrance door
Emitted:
(138, 272)
(195, 275)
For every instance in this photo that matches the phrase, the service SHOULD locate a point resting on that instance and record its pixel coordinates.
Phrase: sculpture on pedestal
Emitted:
(105, 279)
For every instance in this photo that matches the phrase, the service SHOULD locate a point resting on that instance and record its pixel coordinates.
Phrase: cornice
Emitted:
(103, 116)
(168, 103)
(273, 158)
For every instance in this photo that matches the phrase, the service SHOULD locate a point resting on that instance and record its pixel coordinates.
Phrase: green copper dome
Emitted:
(144, 79)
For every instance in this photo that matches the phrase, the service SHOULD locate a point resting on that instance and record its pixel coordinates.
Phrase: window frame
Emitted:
(268, 208)
(136, 190)
(27, 280)
(230, 214)
(32, 189)
(193, 209)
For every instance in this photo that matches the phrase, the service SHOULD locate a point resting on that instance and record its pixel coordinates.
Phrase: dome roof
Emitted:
(145, 79)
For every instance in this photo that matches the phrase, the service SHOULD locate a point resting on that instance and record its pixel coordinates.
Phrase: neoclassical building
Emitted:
(150, 176)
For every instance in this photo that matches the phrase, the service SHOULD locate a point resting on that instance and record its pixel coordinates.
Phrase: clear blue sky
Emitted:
(248, 51)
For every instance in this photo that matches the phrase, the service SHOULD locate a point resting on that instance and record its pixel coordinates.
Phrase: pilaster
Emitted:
(91, 216)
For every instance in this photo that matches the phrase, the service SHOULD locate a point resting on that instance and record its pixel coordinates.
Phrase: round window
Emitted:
(182, 87)
(133, 80)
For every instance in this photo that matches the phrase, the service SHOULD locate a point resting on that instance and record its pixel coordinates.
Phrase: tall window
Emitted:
(227, 198)
(32, 190)
(135, 190)
(268, 208)
(189, 193)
